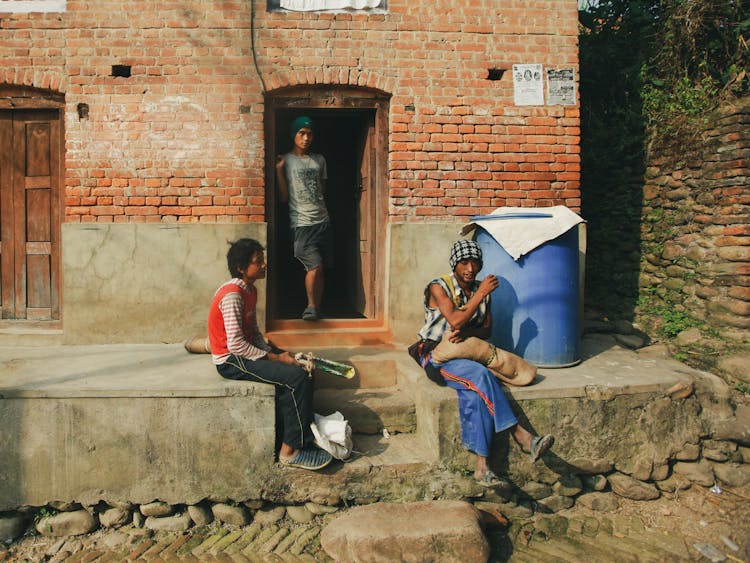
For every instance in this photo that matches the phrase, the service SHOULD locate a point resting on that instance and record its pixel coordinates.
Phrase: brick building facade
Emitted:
(159, 123)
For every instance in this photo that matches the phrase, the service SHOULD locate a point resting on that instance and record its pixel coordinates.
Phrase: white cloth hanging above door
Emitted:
(317, 5)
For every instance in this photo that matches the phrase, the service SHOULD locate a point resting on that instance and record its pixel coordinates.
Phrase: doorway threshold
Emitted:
(295, 333)
(30, 333)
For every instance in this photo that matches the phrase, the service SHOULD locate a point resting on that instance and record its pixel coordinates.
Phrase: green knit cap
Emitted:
(300, 123)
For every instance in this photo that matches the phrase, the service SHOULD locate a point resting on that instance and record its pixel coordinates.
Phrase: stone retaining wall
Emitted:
(698, 438)
(696, 224)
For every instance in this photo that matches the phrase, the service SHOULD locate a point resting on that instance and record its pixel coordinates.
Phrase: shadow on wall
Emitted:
(11, 466)
(612, 156)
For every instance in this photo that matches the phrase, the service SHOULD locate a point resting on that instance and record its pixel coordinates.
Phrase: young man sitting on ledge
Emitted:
(240, 351)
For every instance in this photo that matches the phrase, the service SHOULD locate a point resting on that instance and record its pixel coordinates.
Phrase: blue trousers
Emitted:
(482, 405)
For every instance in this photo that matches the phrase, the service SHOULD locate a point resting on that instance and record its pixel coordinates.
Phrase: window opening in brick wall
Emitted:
(29, 6)
(327, 5)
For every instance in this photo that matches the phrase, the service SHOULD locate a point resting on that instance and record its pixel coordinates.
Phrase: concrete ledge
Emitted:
(614, 410)
(142, 422)
(128, 423)
(136, 370)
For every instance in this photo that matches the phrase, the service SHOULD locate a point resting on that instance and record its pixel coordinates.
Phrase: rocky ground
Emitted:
(667, 529)
(696, 524)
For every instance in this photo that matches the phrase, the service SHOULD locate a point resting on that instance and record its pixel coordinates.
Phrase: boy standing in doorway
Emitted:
(301, 177)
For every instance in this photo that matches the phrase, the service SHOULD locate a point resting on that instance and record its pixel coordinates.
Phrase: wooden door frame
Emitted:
(332, 98)
(14, 97)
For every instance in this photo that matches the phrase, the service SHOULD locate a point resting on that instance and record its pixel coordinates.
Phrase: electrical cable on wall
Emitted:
(252, 46)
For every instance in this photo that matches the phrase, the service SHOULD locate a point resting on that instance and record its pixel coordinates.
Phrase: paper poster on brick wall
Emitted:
(561, 86)
(527, 85)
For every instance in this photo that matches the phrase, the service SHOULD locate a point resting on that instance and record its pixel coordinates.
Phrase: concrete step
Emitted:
(370, 373)
(298, 334)
(398, 449)
(540, 554)
(31, 333)
(370, 411)
(639, 548)
(666, 547)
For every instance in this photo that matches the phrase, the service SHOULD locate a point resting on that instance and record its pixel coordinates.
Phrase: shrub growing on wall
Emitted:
(650, 73)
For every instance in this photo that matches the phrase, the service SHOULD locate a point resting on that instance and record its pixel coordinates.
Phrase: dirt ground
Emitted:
(700, 516)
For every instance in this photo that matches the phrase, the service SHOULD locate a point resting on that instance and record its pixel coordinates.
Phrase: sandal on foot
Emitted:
(308, 458)
(539, 445)
(310, 314)
(489, 479)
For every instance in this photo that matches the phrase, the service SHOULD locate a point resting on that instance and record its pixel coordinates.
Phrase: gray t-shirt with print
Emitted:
(304, 178)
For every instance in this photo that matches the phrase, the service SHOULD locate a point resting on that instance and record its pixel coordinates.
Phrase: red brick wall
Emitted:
(181, 139)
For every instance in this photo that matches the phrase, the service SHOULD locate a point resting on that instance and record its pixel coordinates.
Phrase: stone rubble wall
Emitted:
(696, 223)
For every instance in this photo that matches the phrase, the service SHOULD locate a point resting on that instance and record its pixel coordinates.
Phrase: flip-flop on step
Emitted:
(310, 314)
(539, 445)
(489, 479)
(308, 458)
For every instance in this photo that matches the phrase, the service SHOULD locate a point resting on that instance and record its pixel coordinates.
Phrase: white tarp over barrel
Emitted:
(519, 230)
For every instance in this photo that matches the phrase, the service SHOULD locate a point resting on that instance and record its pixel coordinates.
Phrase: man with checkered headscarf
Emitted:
(457, 306)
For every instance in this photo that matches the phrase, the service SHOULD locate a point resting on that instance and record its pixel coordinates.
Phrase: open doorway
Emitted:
(349, 139)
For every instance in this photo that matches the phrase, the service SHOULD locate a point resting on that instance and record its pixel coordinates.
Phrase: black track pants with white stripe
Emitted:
(294, 393)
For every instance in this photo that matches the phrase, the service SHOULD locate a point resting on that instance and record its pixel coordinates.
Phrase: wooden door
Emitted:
(30, 160)
(367, 205)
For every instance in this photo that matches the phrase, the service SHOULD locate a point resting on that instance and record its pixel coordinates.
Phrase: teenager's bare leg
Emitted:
(483, 466)
(522, 436)
(287, 451)
(314, 287)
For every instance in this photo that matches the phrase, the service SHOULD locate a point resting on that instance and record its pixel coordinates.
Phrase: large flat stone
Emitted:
(421, 531)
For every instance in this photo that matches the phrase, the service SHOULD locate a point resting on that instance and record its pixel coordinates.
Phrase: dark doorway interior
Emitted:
(339, 136)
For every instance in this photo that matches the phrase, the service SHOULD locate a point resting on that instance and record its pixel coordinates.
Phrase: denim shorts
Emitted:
(313, 245)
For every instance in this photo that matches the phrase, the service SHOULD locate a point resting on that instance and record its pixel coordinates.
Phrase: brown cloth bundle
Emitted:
(198, 345)
(507, 367)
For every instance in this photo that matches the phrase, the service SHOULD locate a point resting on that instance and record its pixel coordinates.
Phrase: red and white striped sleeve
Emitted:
(231, 308)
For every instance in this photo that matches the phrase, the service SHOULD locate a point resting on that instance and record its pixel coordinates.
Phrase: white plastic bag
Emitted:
(333, 434)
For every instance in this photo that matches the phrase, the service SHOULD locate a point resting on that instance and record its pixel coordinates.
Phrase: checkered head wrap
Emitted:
(463, 250)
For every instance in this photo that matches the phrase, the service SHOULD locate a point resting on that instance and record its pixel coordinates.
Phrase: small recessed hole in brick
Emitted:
(121, 70)
(495, 73)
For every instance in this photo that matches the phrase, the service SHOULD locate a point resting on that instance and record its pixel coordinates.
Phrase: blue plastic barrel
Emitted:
(535, 310)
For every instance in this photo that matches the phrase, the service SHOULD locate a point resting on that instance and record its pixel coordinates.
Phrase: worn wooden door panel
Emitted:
(6, 215)
(366, 266)
(34, 236)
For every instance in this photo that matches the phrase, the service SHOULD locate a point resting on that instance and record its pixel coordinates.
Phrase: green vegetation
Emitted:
(650, 73)
(43, 513)
(701, 59)
(742, 387)
(675, 322)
